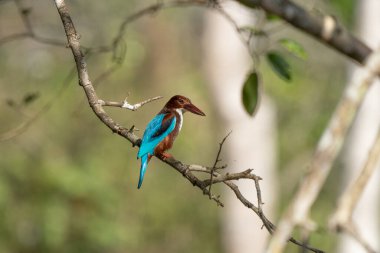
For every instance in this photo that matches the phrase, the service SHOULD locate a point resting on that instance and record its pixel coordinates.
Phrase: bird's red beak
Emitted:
(192, 108)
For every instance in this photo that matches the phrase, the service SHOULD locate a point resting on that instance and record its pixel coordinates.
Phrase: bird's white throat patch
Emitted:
(180, 113)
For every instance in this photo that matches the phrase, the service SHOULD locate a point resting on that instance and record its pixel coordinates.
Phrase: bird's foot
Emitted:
(165, 156)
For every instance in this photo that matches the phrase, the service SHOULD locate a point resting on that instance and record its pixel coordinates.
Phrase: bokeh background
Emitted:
(68, 184)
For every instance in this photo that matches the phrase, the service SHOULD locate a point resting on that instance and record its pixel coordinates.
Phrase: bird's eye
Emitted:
(181, 101)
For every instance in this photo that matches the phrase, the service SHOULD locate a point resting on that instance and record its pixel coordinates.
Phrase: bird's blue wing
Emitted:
(157, 129)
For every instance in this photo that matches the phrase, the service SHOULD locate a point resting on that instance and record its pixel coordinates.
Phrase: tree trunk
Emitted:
(252, 142)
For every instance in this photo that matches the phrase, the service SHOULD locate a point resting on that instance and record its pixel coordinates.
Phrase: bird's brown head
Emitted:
(181, 102)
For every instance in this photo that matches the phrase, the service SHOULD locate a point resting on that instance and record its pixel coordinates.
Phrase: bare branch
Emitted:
(328, 147)
(218, 178)
(24, 14)
(226, 179)
(126, 105)
(200, 168)
(324, 28)
(341, 220)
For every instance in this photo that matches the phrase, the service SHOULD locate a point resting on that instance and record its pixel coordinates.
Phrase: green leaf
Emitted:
(251, 93)
(279, 65)
(294, 48)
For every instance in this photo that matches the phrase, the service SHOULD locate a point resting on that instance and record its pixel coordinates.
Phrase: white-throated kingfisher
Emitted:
(162, 130)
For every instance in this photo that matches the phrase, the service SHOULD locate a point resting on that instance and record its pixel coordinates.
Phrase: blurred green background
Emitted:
(67, 184)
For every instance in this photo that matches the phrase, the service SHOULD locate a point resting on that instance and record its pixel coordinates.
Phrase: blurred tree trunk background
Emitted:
(252, 143)
(362, 136)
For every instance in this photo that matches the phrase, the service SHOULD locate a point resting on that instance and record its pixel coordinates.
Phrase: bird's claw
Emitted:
(165, 156)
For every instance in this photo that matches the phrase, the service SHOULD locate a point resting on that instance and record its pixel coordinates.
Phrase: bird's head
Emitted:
(181, 102)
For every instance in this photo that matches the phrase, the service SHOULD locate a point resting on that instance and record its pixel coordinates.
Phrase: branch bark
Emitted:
(126, 105)
(324, 28)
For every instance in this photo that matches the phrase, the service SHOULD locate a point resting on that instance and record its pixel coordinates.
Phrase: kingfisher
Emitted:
(162, 130)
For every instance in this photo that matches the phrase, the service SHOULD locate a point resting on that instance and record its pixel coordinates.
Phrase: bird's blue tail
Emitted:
(144, 165)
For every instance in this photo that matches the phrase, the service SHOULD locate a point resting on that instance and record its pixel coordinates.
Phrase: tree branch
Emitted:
(126, 105)
(328, 148)
(29, 33)
(324, 28)
(341, 220)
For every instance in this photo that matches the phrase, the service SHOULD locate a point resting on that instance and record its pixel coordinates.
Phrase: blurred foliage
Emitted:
(344, 9)
(294, 48)
(69, 185)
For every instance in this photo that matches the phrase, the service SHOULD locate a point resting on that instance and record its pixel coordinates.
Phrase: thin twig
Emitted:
(258, 194)
(217, 159)
(126, 105)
